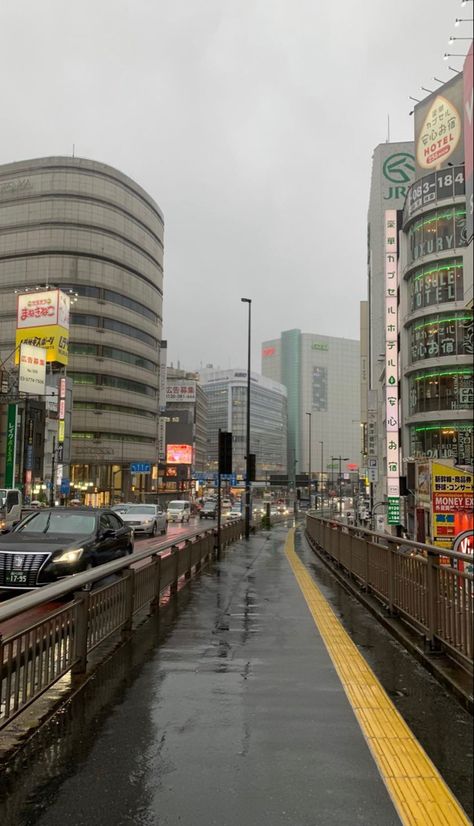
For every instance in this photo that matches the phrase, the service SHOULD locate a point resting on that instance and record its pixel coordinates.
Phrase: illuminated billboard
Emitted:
(439, 128)
(43, 321)
(452, 503)
(179, 454)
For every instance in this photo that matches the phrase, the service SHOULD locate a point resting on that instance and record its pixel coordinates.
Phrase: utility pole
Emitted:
(52, 490)
(247, 458)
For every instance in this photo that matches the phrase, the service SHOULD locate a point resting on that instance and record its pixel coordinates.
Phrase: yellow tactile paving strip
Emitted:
(418, 791)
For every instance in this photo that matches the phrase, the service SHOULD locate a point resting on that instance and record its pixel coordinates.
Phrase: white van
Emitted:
(178, 511)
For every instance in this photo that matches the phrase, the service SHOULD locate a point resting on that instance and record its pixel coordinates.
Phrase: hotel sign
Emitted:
(391, 365)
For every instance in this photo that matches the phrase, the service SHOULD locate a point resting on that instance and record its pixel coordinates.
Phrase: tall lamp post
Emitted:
(247, 449)
(340, 459)
(309, 460)
(321, 486)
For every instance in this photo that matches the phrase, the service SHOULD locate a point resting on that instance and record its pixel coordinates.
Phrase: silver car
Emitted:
(146, 519)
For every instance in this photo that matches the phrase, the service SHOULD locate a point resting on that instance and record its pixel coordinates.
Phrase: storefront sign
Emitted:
(10, 453)
(32, 373)
(43, 321)
(452, 503)
(393, 510)
(391, 360)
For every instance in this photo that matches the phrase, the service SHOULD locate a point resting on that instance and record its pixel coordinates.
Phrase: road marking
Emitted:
(418, 791)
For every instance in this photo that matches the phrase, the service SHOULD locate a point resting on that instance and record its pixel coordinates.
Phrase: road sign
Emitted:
(140, 467)
(65, 486)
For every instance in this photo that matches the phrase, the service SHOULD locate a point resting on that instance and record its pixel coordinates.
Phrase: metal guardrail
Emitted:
(431, 588)
(35, 657)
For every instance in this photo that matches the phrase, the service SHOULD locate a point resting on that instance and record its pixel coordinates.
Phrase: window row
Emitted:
(114, 408)
(441, 336)
(447, 441)
(112, 437)
(89, 291)
(436, 284)
(113, 381)
(440, 230)
(449, 390)
(78, 348)
(89, 320)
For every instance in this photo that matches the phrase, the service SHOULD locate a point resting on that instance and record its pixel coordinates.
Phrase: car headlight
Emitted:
(147, 521)
(70, 556)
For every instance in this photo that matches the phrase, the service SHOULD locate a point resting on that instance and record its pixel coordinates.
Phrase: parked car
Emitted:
(146, 519)
(208, 511)
(54, 543)
(178, 511)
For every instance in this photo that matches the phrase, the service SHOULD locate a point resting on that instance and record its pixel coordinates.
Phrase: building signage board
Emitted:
(32, 373)
(180, 391)
(439, 128)
(468, 141)
(179, 454)
(452, 503)
(393, 510)
(391, 357)
(43, 321)
(10, 452)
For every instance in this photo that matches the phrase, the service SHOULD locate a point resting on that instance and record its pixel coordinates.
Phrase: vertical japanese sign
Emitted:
(391, 367)
(61, 423)
(10, 446)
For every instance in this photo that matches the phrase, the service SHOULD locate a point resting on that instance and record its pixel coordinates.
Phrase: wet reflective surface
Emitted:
(226, 710)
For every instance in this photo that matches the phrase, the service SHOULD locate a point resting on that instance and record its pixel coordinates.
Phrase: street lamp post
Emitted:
(321, 486)
(340, 459)
(247, 458)
(309, 460)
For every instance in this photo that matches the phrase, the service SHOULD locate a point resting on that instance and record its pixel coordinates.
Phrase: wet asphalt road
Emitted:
(227, 711)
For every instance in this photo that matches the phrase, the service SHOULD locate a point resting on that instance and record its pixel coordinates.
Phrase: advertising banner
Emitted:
(10, 452)
(439, 128)
(180, 391)
(391, 366)
(468, 140)
(452, 503)
(43, 321)
(32, 375)
(179, 454)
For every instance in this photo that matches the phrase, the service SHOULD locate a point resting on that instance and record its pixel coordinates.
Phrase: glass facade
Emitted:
(451, 440)
(442, 336)
(436, 232)
(436, 283)
(443, 390)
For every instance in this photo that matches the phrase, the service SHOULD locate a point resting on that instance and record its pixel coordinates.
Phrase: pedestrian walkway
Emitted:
(256, 710)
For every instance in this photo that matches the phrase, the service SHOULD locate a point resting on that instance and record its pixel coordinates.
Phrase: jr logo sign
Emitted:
(399, 170)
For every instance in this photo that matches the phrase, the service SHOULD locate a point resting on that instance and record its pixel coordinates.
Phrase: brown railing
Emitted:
(429, 587)
(35, 657)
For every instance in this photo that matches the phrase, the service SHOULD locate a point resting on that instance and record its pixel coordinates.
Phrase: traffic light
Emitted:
(252, 467)
(225, 452)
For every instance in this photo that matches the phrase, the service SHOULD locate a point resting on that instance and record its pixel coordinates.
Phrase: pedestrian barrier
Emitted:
(35, 657)
(430, 588)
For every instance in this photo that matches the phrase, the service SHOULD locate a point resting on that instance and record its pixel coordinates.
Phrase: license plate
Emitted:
(15, 578)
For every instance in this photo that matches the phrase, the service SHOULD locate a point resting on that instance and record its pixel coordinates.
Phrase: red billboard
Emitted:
(179, 454)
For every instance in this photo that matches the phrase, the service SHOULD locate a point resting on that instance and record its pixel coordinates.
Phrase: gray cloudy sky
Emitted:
(251, 123)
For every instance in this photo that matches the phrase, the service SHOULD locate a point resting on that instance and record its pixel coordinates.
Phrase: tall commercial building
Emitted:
(226, 392)
(321, 375)
(436, 318)
(85, 227)
(393, 169)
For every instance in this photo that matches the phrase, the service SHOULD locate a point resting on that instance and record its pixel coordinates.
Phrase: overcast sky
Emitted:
(251, 123)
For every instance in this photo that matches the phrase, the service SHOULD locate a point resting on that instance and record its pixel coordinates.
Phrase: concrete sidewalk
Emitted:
(238, 718)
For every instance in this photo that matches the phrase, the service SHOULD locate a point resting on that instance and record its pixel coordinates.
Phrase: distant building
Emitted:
(226, 393)
(321, 376)
(183, 393)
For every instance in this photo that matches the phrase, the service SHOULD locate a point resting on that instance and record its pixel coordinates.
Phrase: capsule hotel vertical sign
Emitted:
(391, 368)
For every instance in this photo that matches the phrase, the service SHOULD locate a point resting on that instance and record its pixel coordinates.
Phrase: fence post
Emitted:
(367, 568)
(390, 583)
(128, 574)
(81, 621)
(174, 584)
(188, 545)
(155, 602)
(432, 583)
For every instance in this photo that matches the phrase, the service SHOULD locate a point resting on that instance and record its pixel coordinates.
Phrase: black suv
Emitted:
(208, 511)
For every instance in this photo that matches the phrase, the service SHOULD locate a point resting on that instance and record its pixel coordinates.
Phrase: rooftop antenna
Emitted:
(73, 149)
(388, 129)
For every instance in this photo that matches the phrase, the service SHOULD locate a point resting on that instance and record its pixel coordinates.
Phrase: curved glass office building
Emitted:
(87, 228)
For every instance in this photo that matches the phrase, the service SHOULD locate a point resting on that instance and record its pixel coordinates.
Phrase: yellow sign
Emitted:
(452, 503)
(54, 339)
(61, 430)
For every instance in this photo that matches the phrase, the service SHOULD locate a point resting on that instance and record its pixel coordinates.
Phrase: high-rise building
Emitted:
(321, 376)
(85, 227)
(226, 392)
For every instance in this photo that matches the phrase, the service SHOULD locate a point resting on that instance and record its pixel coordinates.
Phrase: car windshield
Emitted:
(138, 509)
(176, 506)
(49, 522)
